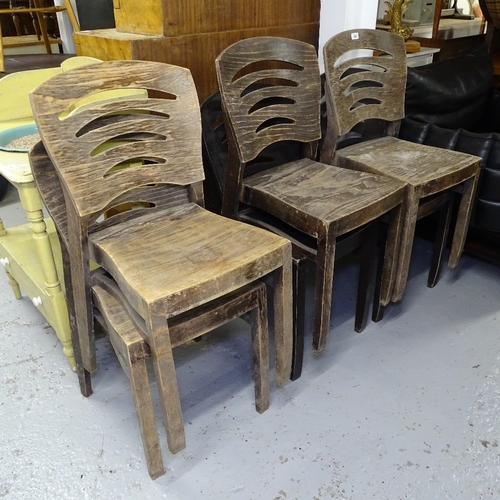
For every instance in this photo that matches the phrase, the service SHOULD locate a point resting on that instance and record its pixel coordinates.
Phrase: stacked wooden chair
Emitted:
(362, 240)
(370, 86)
(271, 90)
(169, 269)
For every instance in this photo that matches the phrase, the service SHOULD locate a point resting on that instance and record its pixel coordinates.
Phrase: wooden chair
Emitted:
(363, 240)
(371, 87)
(128, 342)
(167, 256)
(38, 11)
(270, 90)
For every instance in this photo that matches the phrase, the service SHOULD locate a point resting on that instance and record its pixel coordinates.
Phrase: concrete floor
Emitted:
(409, 409)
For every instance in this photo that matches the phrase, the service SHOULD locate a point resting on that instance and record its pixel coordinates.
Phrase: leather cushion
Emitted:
(451, 93)
(485, 145)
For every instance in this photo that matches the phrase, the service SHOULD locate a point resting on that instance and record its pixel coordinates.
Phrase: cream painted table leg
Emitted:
(12, 282)
(56, 310)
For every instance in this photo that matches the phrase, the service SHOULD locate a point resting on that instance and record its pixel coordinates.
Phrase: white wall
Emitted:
(66, 29)
(340, 15)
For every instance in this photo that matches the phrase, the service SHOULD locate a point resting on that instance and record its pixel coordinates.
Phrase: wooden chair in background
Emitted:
(367, 86)
(168, 261)
(270, 89)
(36, 9)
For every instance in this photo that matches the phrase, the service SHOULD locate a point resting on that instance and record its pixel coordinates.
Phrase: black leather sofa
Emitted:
(452, 104)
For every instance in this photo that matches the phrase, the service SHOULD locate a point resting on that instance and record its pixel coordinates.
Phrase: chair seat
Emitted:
(346, 198)
(203, 256)
(427, 168)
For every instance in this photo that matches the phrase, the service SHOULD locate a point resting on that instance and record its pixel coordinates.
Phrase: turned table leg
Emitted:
(32, 204)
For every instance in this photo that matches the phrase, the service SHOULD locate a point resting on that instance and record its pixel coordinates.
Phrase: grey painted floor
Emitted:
(408, 409)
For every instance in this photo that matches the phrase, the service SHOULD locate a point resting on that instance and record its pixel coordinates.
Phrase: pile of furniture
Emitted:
(120, 170)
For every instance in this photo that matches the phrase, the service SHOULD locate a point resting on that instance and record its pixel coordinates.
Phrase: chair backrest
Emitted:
(120, 150)
(271, 92)
(365, 73)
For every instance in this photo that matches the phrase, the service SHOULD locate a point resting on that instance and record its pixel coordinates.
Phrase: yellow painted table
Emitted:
(30, 253)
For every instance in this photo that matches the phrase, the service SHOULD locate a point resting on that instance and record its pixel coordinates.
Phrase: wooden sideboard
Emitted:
(192, 33)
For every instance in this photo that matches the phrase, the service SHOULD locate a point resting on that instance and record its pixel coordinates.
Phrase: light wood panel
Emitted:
(149, 22)
(184, 17)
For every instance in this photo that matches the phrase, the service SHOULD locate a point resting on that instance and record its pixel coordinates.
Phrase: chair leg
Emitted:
(463, 217)
(84, 380)
(440, 242)
(299, 308)
(389, 240)
(131, 351)
(389, 258)
(366, 278)
(147, 422)
(283, 317)
(410, 213)
(163, 362)
(260, 351)
(325, 260)
(2, 60)
(378, 308)
(43, 28)
(71, 15)
(84, 376)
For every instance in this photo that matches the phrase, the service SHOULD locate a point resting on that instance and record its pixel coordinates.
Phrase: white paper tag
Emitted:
(355, 36)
